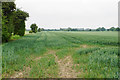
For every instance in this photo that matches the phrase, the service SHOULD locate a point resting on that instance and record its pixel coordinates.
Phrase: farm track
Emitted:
(65, 65)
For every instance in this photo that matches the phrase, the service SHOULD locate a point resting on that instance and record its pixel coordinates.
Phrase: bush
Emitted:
(30, 31)
(14, 37)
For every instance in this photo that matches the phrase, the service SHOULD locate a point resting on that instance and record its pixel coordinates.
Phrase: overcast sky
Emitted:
(70, 13)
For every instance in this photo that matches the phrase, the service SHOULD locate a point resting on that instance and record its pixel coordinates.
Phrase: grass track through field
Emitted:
(65, 66)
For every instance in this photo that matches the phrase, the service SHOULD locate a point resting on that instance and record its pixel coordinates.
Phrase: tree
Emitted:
(42, 29)
(13, 20)
(117, 29)
(90, 29)
(34, 28)
(61, 29)
(5, 34)
(19, 21)
(69, 29)
(103, 29)
(112, 29)
(108, 29)
(39, 30)
(8, 9)
(98, 29)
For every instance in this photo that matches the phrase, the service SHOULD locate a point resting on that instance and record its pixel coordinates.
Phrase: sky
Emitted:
(55, 14)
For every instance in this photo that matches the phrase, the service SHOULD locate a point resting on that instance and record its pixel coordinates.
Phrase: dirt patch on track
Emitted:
(84, 46)
(51, 52)
(65, 68)
(22, 74)
(48, 52)
(38, 58)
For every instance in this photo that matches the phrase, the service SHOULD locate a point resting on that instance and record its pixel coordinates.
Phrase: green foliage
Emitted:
(101, 63)
(104, 61)
(100, 29)
(13, 21)
(7, 16)
(69, 29)
(87, 50)
(39, 30)
(62, 53)
(30, 31)
(103, 29)
(42, 29)
(118, 29)
(101, 38)
(5, 34)
(46, 67)
(8, 8)
(19, 22)
(16, 52)
(14, 37)
(112, 29)
(34, 28)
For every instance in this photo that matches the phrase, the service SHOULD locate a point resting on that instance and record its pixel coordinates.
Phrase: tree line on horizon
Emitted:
(82, 29)
(34, 29)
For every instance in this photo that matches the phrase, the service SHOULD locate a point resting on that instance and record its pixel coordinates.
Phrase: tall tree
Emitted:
(8, 9)
(19, 21)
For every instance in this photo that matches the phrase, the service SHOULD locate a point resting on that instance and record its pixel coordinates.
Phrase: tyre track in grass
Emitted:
(20, 74)
(65, 66)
